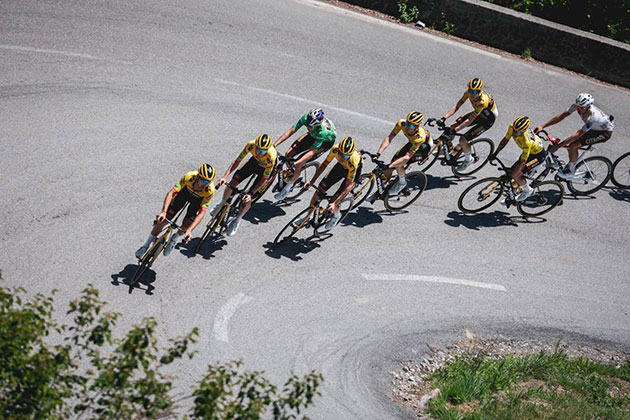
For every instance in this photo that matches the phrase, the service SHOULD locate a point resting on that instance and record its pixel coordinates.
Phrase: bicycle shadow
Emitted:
(292, 248)
(362, 217)
(263, 211)
(125, 275)
(208, 249)
(435, 182)
(619, 194)
(481, 220)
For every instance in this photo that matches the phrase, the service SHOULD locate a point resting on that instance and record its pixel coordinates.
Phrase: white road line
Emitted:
(222, 319)
(56, 52)
(433, 279)
(297, 98)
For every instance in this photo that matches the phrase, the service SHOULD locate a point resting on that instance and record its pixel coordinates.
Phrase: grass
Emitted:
(538, 386)
(407, 14)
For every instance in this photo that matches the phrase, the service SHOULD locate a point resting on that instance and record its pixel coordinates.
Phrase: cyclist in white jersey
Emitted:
(597, 128)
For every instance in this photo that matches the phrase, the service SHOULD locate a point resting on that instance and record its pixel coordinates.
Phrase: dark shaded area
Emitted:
(494, 219)
(263, 211)
(292, 248)
(619, 194)
(212, 244)
(125, 275)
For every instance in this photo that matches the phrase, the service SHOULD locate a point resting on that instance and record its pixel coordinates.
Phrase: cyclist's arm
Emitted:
(454, 108)
(554, 120)
(259, 184)
(501, 145)
(284, 136)
(349, 184)
(465, 123)
(403, 159)
(319, 171)
(168, 199)
(200, 214)
(571, 138)
(386, 142)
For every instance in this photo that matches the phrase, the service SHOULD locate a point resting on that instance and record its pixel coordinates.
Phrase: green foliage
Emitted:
(573, 389)
(527, 53)
(407, 14)
(604, 17)
(96, 375)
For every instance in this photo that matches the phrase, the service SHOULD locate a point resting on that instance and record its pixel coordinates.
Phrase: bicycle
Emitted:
(621, 171)
(487, 191)
(153, 252)
(283, 171)
(314, 217)
(480, 149)
(591, 173)
(416, 184)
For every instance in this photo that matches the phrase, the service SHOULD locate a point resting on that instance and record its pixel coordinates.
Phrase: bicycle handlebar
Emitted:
(431, 122)
(375, 159)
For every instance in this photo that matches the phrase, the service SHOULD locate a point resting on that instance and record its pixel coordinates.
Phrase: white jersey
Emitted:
(594, 119)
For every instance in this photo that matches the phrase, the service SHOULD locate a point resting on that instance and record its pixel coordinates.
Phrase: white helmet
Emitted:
(584, 99)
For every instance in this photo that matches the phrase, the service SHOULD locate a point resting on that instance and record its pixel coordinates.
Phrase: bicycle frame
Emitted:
(553, 162)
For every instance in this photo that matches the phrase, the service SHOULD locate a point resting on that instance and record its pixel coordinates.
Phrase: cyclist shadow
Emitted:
(207, 251)
(363, 216)
(292, 248)
(124, 276)
(619, 194)
(434, 182)
(263, 211)
(480, 220)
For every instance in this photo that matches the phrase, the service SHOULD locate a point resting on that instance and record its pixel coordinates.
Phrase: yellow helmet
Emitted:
(347, 146)
(475, 84)
(206, 171)
(521, 124)
(415, 118)
(263, 142)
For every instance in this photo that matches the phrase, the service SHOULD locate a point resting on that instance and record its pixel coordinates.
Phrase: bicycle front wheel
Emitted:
(362, 189)
(416, 183)
(480, 150)
(426, 162)
(480, 195)
(307, 173)
(147, 261)
(594, 172)
(621, 171)
(211, 227)
(546, 196)
(293, 226)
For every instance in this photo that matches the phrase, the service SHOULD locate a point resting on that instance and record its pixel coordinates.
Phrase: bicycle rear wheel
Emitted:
(307, 173)
(211, 227)
(416, 184)
(547, 195)
(362, 189)
(425, 163)
(621, 171)
(480, 150)
(293, 227)
(596, 171)
(481, 195)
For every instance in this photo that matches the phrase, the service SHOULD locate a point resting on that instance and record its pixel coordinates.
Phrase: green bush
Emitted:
(407, 14)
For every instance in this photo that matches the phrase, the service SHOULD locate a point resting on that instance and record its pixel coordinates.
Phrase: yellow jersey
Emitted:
(188, 181)
(484, 101)
(267, 161)
(416, 139)
(529, 142)
(351, 164)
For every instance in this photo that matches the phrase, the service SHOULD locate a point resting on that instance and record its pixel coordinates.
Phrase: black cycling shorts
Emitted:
(534, 160)
(305, 143)
(422, 151)
(250, 168)
(183, 197)
(594, 137)
(481, 124)
(337, 173)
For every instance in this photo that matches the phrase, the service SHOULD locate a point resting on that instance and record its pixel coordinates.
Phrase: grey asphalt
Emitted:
(104, 105)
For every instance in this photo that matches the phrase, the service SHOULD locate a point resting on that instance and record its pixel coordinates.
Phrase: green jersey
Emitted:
(323, 133)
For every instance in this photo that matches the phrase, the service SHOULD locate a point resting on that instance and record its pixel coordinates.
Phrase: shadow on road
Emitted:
(362, 216)
(494, 219)
(212, 245)
(263, 211)
(619, 194)
(292, 248)
(125, 275)
(434, 182)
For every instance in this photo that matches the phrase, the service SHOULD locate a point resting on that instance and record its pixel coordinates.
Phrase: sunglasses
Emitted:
(411, 126)
(474, 91)
(517, 133)
(261, 151)
(344, 156)
(204, 181)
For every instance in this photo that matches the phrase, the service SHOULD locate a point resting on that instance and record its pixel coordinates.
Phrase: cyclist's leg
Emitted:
(482, 123)
(300, 145)
(587, 139)
(246, 205)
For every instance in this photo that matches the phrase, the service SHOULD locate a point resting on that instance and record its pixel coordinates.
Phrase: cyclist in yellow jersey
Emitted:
(533, 152)
(419, 142)
(480, 119)
(260, 164)
(348, 167)
(196, 189)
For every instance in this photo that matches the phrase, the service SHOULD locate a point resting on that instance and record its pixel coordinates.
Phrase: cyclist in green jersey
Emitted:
(320, 137)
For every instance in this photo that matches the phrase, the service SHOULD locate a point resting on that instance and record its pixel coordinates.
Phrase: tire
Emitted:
(211, 227)
(416, 184)
(147, 261)
(291, 228)
(481, 149)
(307, 173)
(361, 190)
(480, 195)
(346, 206)
(598, 169)
(621, 172)
(547, 195)
(430, 160)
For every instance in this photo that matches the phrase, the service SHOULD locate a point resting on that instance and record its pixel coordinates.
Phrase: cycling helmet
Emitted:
(415, 118)
(314, 117)
(263, 142)
(206, 171)
(584, 99)
(346, 146)
(521, 124)
(475, 84)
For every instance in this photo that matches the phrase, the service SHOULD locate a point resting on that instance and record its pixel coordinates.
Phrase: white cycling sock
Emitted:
(177, 237)
(402, 180)
(288, 185)
(149, 241)
(467, 156)
(572, 166)
(527, 188)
